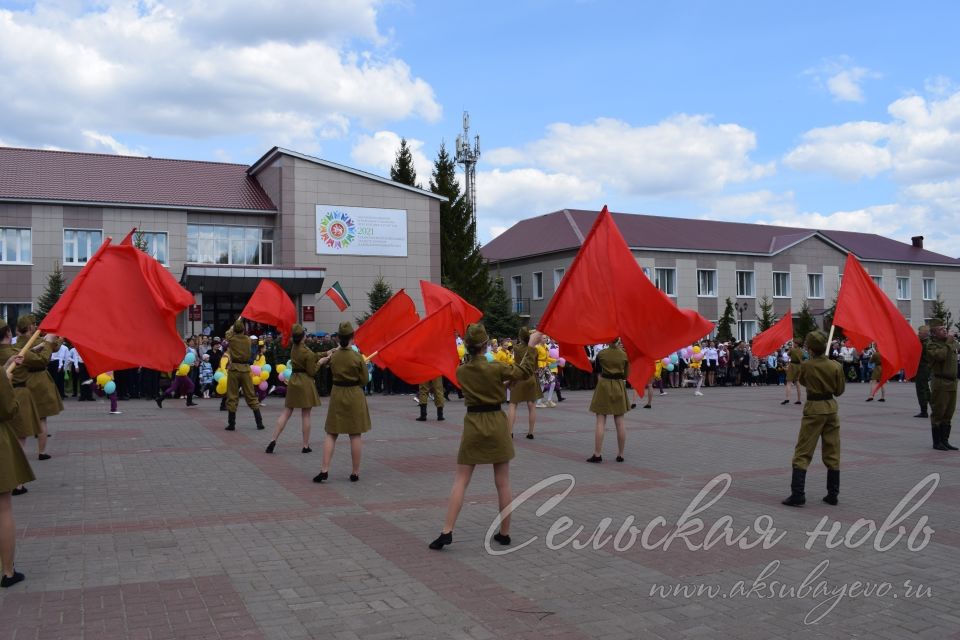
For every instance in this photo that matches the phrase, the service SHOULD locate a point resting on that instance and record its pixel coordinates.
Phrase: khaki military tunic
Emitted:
(486, 434)
(302, 390)
(14, 468)
(610, 396)
(943, 380)
(823, 379)
(435, 387)
(26, 423)
(877, 374)
(40, 382)
(525, 389)
(793, 369)
(348, 413)
(238, 373)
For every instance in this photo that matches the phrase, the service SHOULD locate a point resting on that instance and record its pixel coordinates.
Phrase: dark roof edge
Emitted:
(269, 156)
(135, 205)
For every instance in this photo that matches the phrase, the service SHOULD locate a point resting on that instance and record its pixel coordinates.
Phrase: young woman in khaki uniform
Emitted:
(14, 468)
(486, 431)
(301, 390)
(26, 423)
(610, 398)
(876, 377)
(525, 389)
(347, 413)
(39, 381)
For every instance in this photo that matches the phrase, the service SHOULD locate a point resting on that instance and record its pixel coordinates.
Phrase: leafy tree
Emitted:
(804, 323)
(727, 320)
(462, 266)
(940, 311)
(766, 318)
(403, 170)
(55, 288)
(377, 297)
(499, 317)
(828, 319)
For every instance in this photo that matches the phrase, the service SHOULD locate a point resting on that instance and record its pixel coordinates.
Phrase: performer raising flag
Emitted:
(271, 305)
(339, 298)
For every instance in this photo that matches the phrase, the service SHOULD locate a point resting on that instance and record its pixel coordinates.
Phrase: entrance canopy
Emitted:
(244, 279)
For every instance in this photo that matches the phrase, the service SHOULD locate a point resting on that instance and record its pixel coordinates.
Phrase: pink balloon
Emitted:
(666, 362)
(697, 357)
(255, 370)
(263, 386)
(562, 362)
(554, 353)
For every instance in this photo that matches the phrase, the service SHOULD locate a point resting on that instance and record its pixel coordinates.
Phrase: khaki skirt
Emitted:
(14, 468)
(485, 439)
(610, 397)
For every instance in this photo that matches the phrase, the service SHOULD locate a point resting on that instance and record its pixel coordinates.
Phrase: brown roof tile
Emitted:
(34, 174)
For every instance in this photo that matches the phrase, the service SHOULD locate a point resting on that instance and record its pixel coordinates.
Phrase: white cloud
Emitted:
(892, 220)
(749, 205)
(850, 151)
(101, 141)
(842, 78)
(178, 69)
(379, 151)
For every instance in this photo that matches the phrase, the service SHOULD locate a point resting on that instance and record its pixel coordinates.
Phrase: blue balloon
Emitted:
(218, 376)
(190, 358)
(266, 368)
(110, 387)
(489, 356)
(674, 359)
(669, 367)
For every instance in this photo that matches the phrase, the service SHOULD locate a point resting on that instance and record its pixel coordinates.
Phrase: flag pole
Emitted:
(23, 352)
(830, 338)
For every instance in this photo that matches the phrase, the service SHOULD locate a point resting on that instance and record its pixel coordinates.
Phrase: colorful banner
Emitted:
(361, 231)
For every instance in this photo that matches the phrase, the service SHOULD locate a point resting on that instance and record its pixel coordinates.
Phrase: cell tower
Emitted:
(468, 158)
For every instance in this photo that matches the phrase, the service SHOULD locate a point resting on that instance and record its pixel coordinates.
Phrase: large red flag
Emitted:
(435, 296)
(396, 316)
(426, 350)
(605, 294)
(271, 305)
(773, 338)
(867, 315)
(120, 312)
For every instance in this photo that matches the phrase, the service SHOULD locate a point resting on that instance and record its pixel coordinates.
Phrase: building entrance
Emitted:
(222, 310)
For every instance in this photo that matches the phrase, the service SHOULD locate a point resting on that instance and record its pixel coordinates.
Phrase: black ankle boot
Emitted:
(320, 477)
(444, 539)
(440, 417)
(271, 446)
(223, 403)
(159, 400)
(423, 413)
(833, 486)
(937, 431)
(945, 436)
(231, 421)
(258, 418)
(502, 538)
(190, 402)
(797, 495)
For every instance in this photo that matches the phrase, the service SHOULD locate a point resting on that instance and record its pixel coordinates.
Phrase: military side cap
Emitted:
(345, 329)
(238, 326)
(524, 334)
(24, 322)
(476, 335)
(817, 341)
(297, 330)
(933, 324)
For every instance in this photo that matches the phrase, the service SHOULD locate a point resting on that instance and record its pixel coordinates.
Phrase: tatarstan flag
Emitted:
(339, 298)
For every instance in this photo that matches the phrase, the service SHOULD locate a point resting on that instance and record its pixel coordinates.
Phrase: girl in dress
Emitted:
(301, 392)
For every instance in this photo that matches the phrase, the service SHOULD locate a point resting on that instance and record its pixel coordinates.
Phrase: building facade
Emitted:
(701, 263)
(219, 228)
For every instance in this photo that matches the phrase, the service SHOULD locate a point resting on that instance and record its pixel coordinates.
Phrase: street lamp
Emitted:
(740, 307)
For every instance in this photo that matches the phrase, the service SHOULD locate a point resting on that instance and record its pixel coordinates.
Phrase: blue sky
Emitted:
(818, 114)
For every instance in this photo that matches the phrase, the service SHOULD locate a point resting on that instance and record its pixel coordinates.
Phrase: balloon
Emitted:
(461, 351)
(183, 369)
(281, 368)
(670, 367)
(103, 379)
(354, 347)
(110, 387)
(562, 362)
(266, 369)
(554, 353)
(255, 370)
(696, 349)
(190, 358)
(222, 386)
(697, 357)
(218, 376)
(674, 359)
(255, 380)
(262, 386)
(489, 357)
(665, 362)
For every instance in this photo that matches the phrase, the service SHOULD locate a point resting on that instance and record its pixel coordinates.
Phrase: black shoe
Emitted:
(423, 413)
(619, 458)
(230, 427)
(442, 541)
(19, 491)
(797, 402)
(9, 581)
(440, 417)
(44, 456)
(648, 406)
(259, 419)
(595, 459)
(271, 446)
(354, 477)
(502, 539)
(937, 431)
(870, 399)
(785, 402)
(159, 400)
(945, 436)
(922, 414)
(320, 477)
(529, 436)
(833, 486)
(191, 404)
(633, 405)
(797, 497)
(882, 400)
(306, 450)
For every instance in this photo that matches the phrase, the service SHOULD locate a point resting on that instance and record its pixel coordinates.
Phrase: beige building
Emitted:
(701, 263)
(301, 221)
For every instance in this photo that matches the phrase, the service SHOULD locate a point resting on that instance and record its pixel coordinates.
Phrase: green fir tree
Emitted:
(403, 170)
(725, 324)
(140, 240)
(804, 323)
(940, 311)
(377, 297)
(499, 318)
(766, 318)
(56, 285)
(828, 319)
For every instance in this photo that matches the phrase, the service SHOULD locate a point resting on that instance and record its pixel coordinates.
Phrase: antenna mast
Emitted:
(468, 157)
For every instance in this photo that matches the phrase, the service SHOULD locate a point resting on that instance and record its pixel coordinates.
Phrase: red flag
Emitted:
(773, 338)
(868, 315)
(605, 294)
(271, 305)
(120, 312)
(396, 316)
(435, 296)
(426, 350)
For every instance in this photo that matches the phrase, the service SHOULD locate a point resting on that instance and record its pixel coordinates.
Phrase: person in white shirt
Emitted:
(75, 362)
(58, 361)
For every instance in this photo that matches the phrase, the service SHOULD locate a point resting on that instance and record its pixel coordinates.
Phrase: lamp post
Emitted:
(740, 307)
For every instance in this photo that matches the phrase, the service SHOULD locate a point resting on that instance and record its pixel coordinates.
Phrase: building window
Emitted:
(516, 288)
(156, 242)
(79, 245)
(707, 283)
(815, 285)
(15, 246)
(877, 280)
(745, 285)
(646, 272)
(903, 288)
(929, 289)
(666, 281)
(557, 277)
(781, 284)
(10, 311)
(209, 244)
(747, 329)
(538, 285)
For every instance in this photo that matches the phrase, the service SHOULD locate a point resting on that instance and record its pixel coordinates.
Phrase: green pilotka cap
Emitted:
(935, 323)
(476, 335)
(345, 329)
(297, 330)
(24, 322)
(816, 341)
(238, 326)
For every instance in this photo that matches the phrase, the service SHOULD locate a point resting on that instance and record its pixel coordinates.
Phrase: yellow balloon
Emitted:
(461, 351)
(696, 349)
(222, 386)
(103, 379)
(183, 369)
(281, 368)
(256, 380)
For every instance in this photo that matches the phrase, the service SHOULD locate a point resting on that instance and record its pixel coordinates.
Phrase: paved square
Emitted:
(159, 524)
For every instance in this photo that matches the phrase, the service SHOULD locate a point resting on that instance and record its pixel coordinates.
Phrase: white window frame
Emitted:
(516, 288)
(712, 293)
(558, 274)
(537, 280)
(789, 285)
(753, 284)
(90, 248)
(672, 281)
(903, 279)
(153, 254)
(877, 280)
(933, 289)
(810, 288)
(208, 233)
(19, 242)
(743, 334)
(5, 311)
